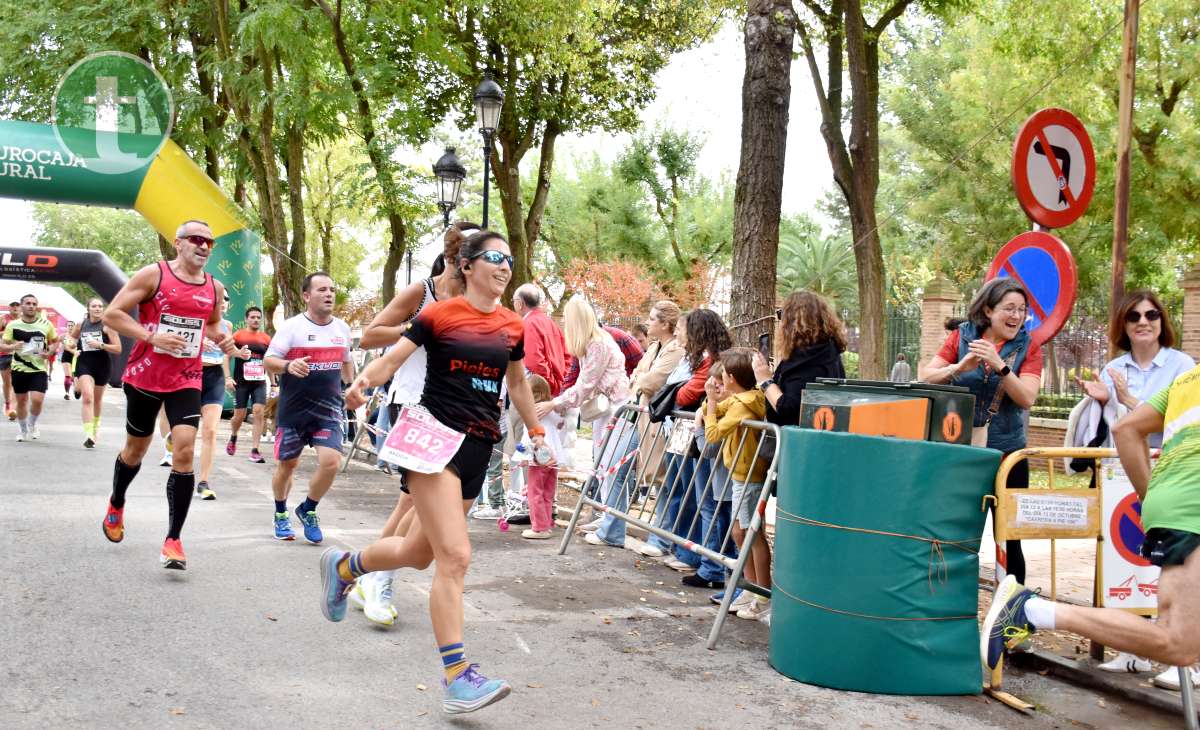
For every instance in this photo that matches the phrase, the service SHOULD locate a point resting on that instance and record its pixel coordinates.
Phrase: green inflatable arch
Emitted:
(34, 165)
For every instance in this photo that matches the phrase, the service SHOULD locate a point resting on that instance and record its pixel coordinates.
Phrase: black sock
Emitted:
(308, 505)
(123, 475)
(233, 438)
(281, 505)
(179, 498)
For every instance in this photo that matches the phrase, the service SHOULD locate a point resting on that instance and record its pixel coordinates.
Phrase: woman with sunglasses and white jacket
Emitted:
(1141, 328)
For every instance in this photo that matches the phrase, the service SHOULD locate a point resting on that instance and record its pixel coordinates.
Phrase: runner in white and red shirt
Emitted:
(311, 354)
(178, 306)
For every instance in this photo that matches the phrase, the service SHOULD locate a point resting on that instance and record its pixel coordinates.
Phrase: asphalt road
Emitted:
(96, 634)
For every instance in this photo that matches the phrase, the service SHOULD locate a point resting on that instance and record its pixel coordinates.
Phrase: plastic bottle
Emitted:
(542, 455)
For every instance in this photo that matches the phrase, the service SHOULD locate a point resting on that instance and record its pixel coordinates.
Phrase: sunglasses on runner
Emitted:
(197, 240)
(1133, 317)
(494, 257)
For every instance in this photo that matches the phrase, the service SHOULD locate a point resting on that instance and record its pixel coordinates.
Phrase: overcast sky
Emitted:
(700, 90)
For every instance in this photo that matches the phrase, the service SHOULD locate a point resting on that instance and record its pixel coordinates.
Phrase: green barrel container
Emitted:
(854, 609)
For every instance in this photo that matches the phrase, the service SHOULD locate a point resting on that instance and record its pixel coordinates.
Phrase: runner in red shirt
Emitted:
(178, 306)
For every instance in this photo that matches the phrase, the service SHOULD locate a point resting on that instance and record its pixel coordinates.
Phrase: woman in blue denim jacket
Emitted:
(988, 350)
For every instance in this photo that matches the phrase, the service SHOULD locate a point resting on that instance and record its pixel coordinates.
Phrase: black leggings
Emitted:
(1018, 478)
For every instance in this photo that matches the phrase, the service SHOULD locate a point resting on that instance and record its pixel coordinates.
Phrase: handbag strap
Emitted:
(994, 408)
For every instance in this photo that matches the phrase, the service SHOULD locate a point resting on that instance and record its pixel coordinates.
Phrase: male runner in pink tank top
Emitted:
(178, 306)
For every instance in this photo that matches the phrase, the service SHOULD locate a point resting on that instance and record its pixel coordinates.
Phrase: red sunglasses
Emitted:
(197, 240)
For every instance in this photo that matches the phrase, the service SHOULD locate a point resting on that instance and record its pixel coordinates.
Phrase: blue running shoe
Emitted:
(1005, 625)
(333, 588)
(283, 527)
(718, 597)
(471, 691)
(312, 525)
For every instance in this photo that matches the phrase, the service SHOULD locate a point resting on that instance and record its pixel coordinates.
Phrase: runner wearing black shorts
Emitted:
(250, 382)
(214, 381)
(177, 305)
(93, 366)
(472, 344)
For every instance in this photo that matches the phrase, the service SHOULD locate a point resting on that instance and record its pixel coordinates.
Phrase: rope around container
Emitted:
(936, 553)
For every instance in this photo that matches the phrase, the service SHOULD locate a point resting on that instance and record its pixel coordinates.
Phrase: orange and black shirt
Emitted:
(468, 355)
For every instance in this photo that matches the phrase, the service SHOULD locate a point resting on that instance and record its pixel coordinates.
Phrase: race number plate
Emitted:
(419, 442)
(191, 329)
(36, 345)
(91, 341)
(253, 371)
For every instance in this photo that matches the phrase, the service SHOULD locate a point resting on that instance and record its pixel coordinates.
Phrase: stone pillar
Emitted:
(941, 296)
(1190, 327)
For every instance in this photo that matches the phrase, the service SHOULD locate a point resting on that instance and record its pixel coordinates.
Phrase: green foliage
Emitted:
(810, 260)
(121, 235)
(959, 89)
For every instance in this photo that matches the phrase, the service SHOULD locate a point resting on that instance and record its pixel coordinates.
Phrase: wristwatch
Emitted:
(1004, 371)
(766, 384)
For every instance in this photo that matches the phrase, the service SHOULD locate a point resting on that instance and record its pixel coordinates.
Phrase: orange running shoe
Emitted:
(114, 524)
(172, 557)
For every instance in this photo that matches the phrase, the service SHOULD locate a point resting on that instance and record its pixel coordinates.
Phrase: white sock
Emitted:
(23, 424)
(33, 420)
(1040, 613)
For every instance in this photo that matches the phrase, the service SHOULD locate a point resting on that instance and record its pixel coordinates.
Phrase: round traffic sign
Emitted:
(1044, 266)
(1125, 529)
(1053, 168)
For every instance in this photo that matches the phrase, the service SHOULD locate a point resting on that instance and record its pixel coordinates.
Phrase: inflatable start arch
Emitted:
(35, 165)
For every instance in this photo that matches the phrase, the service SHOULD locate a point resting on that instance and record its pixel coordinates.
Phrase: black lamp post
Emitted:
(489, 99)
(450, 174)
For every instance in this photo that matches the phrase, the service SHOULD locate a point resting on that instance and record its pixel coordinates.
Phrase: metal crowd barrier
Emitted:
(366, 430)
(631, 445)
(1007, 502)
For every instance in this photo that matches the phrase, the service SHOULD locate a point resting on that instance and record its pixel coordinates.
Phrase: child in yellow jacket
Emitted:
(723, 422)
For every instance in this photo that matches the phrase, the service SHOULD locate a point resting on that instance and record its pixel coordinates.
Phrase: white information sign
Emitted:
(1051, 511)
(1127, 580)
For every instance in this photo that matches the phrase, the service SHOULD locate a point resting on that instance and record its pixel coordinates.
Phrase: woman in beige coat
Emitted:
(662, 356)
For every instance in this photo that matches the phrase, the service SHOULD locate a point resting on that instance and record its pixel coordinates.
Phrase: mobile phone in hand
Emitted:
(764, 346)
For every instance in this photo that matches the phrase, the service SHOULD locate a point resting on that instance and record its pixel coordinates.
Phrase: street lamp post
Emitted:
(489, 99)
(450, 174)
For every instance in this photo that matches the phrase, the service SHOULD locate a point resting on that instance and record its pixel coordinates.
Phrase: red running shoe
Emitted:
(114, 524)
(172, 557)
(231, 447)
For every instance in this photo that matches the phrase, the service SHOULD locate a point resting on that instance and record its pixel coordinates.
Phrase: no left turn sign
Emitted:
(1053, 168)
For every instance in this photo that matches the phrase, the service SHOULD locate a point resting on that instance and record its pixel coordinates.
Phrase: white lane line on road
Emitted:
(521, 643)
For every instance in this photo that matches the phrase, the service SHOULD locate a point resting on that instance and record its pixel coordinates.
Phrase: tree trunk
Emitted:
(869, 255)
(295, 177)
(398, 229)
(758, 195)
(166, 248)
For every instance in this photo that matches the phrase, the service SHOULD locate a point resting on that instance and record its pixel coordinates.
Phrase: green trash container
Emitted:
(864, 598)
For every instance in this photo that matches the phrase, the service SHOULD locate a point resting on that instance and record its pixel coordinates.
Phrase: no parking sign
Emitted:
(1127, 580)
(1045, 268)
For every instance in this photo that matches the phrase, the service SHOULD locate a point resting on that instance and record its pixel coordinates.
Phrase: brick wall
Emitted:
(1044, 432)
(1190, 336)
(941, 296)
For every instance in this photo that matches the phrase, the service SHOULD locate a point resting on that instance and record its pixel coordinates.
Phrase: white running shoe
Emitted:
(487, 513)
(757, 609)
(34, 433)
(650, 551)
(20, 436)
(679, 565)
(593, 525)
(1126, 663)
(1169, 678)
(356, 597)
(532, 534)
(166, 459)
(742, 601)
(378, 606)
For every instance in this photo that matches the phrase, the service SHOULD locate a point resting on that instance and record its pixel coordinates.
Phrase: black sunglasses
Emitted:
(493, 257)
(1133, 317)
(197, 240)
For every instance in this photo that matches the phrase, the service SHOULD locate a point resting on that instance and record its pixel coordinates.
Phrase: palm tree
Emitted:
(822, 264)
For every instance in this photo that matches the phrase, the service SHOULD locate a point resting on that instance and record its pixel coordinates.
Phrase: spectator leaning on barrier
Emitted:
(1141, 328)
(810, 346)
(703, 337)
(602, 386)
(723, 422)
(663, 354)
(992, 355)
